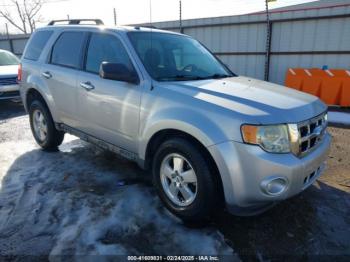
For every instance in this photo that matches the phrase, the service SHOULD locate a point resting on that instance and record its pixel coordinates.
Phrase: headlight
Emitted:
(274, 138)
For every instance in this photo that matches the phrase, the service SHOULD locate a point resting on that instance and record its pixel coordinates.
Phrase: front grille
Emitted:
(311, 133)
(8, 81)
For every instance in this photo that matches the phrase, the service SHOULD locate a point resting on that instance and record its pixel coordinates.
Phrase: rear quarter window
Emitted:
(37, 44)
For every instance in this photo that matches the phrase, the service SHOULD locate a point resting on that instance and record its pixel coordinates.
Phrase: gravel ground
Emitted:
(83, 201)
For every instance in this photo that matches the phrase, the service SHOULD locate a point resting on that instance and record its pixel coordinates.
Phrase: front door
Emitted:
(108, 109)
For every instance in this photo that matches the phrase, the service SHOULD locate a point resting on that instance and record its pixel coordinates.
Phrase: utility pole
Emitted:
(68, 17)
(7, 30)
(115, 16)
(180, 5)
(8, 37)
(268, 42)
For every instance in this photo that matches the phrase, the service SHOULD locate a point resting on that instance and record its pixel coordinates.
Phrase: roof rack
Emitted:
(138, 27)
(77, 21)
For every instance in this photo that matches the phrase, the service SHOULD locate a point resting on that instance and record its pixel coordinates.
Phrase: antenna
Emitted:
(115, 16)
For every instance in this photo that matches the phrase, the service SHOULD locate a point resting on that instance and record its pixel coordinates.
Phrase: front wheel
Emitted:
(184, 181)
(43, 127)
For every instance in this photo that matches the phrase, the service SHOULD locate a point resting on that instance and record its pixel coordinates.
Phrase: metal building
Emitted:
(14, 43)
(307, 35)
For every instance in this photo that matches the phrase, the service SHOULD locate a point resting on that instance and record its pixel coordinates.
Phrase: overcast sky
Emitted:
(138, 11)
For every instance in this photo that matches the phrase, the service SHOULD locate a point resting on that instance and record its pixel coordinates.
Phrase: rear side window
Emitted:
(37, 44)
(105, 48)
(67, 50)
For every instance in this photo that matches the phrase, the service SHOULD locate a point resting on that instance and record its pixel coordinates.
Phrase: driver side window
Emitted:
(105, 48)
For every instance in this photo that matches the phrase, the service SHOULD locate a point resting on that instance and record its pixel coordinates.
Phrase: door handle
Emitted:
(87, 86)
(47, 75)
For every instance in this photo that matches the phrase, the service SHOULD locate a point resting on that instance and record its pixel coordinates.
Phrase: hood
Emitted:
(8, 71)
(248, 98)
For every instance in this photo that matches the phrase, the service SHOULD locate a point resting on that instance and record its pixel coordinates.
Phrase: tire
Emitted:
(53, 137)
(205, 187)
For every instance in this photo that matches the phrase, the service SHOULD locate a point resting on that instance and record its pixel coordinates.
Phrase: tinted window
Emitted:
(37, 44)
(105, 48)
(6, 58)
(67, 49)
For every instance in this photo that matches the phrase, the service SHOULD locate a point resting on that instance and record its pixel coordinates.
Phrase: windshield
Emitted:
(171, 57)
(6, 59)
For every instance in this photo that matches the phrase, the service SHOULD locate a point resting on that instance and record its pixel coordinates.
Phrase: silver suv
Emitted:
(211, 138)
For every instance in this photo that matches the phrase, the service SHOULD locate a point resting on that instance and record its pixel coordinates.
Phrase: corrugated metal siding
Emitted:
(237, 38)
(291, 36)
(5, 44)
(242, 64)
(18, 43)
(312, 35)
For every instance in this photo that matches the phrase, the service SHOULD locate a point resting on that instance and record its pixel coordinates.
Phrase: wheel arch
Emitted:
(34, 93)
(35, 84)
(31, 95)
(163, 135)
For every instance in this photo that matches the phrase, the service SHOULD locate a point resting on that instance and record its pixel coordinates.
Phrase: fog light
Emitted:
(274, 186)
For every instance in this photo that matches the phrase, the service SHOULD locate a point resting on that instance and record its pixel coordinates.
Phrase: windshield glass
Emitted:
(171, 57)
(7, 59)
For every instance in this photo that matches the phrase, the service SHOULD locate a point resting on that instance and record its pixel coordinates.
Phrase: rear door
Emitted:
(33, 57)
(61, 74)
(109, 109)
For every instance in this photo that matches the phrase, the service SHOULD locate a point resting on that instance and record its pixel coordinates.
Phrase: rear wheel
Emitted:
(183, 180)
(43, 127)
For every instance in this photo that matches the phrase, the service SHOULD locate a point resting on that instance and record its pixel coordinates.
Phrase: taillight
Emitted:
(19, 77)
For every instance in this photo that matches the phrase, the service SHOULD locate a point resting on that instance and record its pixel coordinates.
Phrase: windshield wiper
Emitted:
(217, 76)
(181, 78)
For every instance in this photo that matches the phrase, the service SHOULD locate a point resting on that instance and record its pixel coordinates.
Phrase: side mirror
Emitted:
(118, 72)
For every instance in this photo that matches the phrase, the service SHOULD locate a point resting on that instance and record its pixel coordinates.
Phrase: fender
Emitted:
(185, 120)
(194, 124)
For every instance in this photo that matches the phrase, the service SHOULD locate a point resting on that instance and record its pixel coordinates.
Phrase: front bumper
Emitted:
(9, 92)
(244, 167)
